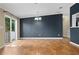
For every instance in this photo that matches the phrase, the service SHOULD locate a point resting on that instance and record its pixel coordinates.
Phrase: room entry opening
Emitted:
(10, 29)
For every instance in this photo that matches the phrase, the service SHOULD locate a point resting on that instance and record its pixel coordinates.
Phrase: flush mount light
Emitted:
(40, 18)
(37, 18)
(60, 7)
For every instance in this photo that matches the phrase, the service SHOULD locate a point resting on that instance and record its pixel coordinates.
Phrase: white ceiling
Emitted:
(23, 10)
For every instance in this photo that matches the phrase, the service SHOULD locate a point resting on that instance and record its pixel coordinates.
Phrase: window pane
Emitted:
(13, 25)
(7, 24)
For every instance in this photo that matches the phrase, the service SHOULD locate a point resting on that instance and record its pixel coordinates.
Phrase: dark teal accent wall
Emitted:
(74, 32)
(75, 35)
(49, 26)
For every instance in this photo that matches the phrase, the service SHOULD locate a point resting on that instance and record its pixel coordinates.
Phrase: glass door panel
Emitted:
(13, 33)
(7, 30)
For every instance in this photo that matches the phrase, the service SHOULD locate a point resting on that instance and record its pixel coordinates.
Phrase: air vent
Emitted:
(60, 7)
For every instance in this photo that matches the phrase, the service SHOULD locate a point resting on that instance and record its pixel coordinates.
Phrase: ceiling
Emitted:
(23, 10)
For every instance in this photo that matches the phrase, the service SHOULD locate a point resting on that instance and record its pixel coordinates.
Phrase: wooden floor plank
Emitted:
(40, 47)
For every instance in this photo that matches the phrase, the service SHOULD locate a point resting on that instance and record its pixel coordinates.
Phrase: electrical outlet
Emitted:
(58, 34)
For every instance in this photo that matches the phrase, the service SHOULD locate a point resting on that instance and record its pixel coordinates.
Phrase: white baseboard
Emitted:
(42, 38)
(74, 44)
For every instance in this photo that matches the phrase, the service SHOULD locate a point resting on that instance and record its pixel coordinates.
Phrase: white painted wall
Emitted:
(66, 26)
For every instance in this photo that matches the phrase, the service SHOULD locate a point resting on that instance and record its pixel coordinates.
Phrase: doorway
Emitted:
(13, 30)
(7, 30)
(10, 29)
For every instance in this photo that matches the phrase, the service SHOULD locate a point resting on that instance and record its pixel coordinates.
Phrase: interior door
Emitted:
(10, 29)
(13, 30)
(7, 29)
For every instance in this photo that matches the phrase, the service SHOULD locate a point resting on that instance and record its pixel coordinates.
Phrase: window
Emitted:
(13, 25)
(7, 24)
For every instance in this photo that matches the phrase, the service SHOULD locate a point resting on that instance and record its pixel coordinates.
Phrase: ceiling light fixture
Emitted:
(37, 18)
(60, 7)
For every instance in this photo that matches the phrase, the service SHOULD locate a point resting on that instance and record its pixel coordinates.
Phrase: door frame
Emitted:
(5, 29)
(15, 25)
(11, 18)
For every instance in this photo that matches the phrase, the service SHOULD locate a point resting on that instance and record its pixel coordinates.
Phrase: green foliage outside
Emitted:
(13, 25)
(7, 24)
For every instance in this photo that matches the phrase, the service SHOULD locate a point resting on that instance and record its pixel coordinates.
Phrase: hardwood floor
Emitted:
(40, 47)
